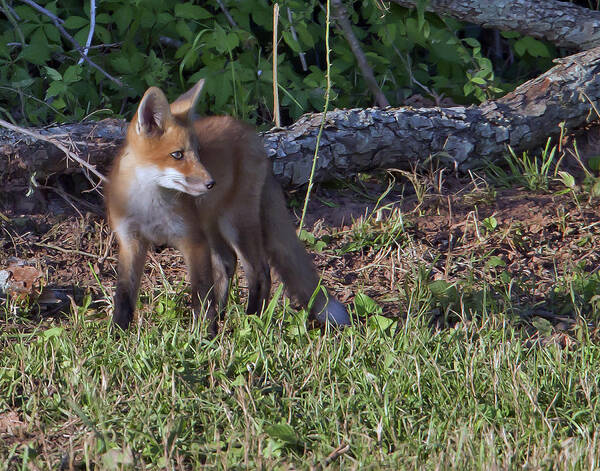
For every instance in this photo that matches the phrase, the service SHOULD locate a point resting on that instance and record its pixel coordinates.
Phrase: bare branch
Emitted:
(60, 145)
(227, 14)
(92, 27)
(342, 19)
(58, 23)
(295, 36)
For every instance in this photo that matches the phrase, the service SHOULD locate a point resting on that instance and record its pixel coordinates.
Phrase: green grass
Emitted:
(268, 393)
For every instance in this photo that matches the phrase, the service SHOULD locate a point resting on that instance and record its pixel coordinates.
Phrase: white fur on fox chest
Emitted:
(151, 210)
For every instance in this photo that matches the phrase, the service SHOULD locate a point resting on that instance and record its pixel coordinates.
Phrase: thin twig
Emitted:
(60, 249)
(335, 454)
(60, 145)
(366, 71)
(14, 20)
(323, 118)
(295, 36)
(275, 90)
(412, 79)
(58, 23)
(60, 191)
(227, 14)
(92, 27)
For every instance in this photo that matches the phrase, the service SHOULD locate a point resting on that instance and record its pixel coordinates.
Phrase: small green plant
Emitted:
(377, 234)
(490, 223)
(534, 173)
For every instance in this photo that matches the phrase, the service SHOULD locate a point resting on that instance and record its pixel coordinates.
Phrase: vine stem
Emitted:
(323, 119)
(275, 91)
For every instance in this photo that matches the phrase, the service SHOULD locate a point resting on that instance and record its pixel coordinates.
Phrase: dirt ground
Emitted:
(66, 252)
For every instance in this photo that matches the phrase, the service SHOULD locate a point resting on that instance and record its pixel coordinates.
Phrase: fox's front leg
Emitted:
(132, 255)
(198, 260)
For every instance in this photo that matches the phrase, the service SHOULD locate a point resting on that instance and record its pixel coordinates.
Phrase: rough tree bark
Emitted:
(561, 23)
(363, 139)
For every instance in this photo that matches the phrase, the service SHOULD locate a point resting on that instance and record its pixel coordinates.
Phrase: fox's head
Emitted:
(165, 147)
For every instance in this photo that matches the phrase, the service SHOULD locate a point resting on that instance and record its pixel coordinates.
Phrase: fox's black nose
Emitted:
(210, 184)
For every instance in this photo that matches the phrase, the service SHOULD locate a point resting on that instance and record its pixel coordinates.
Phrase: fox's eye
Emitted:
(177, 155)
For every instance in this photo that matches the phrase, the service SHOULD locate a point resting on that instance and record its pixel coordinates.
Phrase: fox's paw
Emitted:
(123, 314)
(334, 312)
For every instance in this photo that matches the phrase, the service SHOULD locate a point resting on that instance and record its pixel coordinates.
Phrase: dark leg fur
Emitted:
(124, 307)
(132, 256)
(223, 261)
(259, 290)
(198, 259)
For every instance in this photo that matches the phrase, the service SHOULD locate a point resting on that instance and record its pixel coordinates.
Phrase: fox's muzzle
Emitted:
(200, 182)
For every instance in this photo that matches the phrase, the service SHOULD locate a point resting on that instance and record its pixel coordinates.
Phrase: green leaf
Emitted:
(37, 51)
(191, 11)
(567, 179)
(76, 22)
(52, 33)
(495, 261)
(52, 332)
(284, 433)
(23, 83)
(290, 41)
(53, 73)
(364, 305)
(55, 89)
(184, 31)
(381, 322)
(102, 33)
(594, 162)
(147, 19)
(532, 46)
(439, 287)
(490, 223)
(26, 13)
(520, 47)
(596, 189)
(123, 17)
(72, 74)
(103, 18)
(306, 236)
(472, 42)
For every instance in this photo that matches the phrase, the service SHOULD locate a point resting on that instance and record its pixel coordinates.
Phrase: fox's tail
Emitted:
(289, 258)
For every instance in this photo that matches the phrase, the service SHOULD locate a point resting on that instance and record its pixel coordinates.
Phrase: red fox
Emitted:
(206, 187)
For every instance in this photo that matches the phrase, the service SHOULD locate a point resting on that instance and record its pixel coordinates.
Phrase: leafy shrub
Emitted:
(172, 44)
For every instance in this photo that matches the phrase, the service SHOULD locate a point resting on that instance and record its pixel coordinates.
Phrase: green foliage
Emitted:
(174, 44)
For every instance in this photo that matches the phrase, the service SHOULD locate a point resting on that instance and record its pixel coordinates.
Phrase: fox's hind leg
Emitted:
(246, 239)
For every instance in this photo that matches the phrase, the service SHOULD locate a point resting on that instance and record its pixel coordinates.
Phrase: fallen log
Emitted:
(561, 23)
(359, 140)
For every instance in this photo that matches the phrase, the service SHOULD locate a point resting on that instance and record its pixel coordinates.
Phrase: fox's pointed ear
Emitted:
(184, 106)
(153, 112)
